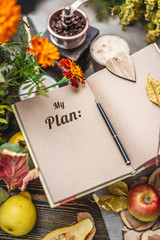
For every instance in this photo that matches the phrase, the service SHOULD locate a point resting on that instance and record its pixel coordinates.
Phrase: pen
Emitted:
(127, 161)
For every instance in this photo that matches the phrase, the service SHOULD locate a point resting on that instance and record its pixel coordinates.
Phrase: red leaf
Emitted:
(13, 168)
(33, 174)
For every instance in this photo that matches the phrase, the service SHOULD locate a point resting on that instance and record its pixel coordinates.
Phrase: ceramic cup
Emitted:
(105, 47)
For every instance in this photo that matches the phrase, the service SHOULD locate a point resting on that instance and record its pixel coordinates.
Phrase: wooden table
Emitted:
(50, 219)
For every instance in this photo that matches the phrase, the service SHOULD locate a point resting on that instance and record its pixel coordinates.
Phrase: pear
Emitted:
(18, 214)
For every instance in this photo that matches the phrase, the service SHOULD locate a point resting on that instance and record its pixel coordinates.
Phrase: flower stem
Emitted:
(63, 80)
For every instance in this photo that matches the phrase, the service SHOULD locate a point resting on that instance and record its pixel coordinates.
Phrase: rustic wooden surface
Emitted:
(50, 219)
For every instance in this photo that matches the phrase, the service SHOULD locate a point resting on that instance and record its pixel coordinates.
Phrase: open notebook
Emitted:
(70, 142)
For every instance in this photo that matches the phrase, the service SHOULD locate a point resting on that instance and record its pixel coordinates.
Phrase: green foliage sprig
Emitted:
(103, 7)
(149, 10)
(17, 66)
(130, 11)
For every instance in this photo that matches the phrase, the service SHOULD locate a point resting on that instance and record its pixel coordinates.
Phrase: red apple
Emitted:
(144, 202)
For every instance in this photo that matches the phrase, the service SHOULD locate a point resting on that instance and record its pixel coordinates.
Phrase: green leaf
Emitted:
(2, 92)
(6, 107)
(27, 86)
(2, 111)
(38, 34)
(27, 37)
(42, 92)
(9, 108)
(18, 149)
(4, 121)
(2, 79)
(13, 43)
(3, 195)
(3, 68)
(30, 91)
(2, 141)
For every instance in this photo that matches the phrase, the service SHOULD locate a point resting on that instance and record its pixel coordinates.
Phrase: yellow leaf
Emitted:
(119, 188)
(110, 202)
(6, 107)
(153, 90)
(100, 200)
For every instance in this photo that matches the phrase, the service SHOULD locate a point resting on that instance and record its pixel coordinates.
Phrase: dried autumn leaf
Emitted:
(101, 199)
(32, 174)
(153, 90)
(117, 204)
(14, 169)
(132, 234)
(156, 225)
(110, 202)
(119, 188)
(154, 179)
(140, 180)
(17, 149)
(133, 223)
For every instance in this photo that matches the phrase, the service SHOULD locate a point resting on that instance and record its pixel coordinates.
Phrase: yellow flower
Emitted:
(46, 52)
(10, 14)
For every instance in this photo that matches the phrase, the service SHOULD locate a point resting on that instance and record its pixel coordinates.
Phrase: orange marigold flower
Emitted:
(46, 52)
(72, 72)
(10, 14)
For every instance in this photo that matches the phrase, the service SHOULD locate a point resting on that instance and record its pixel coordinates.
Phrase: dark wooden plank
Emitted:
(50, 219)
